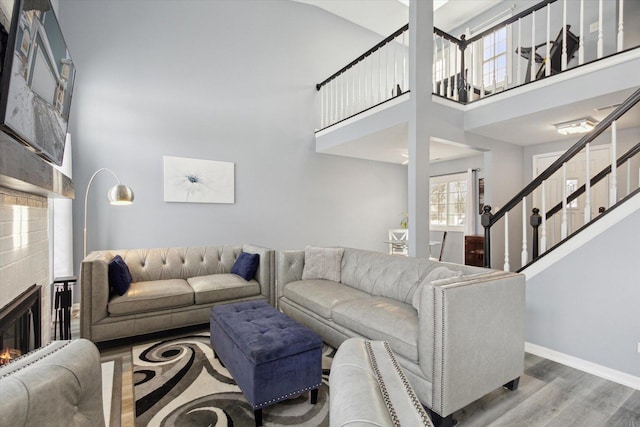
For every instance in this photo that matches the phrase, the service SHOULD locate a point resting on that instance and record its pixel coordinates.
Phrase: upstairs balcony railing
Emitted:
(546, 39)
(559, 214)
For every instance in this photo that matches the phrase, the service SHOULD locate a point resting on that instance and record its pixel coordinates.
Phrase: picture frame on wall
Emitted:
(198, 181)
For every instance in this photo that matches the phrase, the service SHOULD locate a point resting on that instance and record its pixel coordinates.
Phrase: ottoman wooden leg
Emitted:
(257, 413)
(314, 396)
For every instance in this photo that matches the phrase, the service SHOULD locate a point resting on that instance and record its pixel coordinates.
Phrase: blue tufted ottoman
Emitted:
(271, 356)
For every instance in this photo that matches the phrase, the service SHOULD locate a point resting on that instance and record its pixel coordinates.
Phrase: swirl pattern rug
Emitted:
(178, 382)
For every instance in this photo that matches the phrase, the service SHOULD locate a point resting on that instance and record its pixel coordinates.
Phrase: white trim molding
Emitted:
(584, 365)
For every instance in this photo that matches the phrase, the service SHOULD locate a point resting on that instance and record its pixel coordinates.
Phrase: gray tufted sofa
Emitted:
(59, 384)
(171, 288)
(369, 388)
(462, 340)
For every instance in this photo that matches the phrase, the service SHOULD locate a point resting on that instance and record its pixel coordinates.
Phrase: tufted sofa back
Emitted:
(390, 276)
(179, 263)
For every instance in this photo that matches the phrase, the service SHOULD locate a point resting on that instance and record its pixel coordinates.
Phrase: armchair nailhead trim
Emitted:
(382, 385)
(35, 360)
(412, 395)
(383, 388)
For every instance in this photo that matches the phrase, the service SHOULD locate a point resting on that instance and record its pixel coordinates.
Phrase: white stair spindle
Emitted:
(587, 185)
(628, 176)
(543, 236)
(405, 49)
(495, 65)
(532, 77)
(387, 92)
(506, 267)
(564, 36)
(481, 68)
(581, 42)
(395, 67)
(620, 26)
(563, 224)
(435, 63)
(613, 182)
(547, 58)
(518, 79)
(600, 30)
(443, 73)
(455, 71)
(525, 253)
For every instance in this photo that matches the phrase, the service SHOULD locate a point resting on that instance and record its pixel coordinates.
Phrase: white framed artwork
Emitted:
(198, 181)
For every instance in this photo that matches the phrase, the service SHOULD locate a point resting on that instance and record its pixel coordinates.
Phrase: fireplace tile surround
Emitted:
(24, 250)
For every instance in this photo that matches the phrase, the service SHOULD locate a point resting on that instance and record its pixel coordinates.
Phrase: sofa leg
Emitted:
(314, 396)
(513, 384)
(438, 420)
(257, 413)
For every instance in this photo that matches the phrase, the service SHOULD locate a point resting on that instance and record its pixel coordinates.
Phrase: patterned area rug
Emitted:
(178, 382)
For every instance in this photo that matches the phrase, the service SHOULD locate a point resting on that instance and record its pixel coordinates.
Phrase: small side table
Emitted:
(62, 303)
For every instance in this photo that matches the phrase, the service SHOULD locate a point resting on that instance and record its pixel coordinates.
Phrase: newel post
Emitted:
(535, 221)
(462, 81)
(485, 220)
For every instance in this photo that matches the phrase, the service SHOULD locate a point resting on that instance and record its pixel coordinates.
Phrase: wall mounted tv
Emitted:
(36, 77)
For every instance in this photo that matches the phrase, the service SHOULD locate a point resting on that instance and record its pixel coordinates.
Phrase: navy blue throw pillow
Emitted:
(119, 276)
(246, 265)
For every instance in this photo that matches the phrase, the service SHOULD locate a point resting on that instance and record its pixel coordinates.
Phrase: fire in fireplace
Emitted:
(20, 325)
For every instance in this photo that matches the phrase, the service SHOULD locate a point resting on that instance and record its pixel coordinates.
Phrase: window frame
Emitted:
(447, 179)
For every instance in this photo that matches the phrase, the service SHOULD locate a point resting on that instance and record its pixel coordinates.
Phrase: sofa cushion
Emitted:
(380, 318)
(320, 296)
(322, 263)
(151, 296)
(119, 276)
(246, 265)
(222, 287)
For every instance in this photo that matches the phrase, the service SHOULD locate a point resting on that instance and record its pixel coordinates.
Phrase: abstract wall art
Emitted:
(198, 181)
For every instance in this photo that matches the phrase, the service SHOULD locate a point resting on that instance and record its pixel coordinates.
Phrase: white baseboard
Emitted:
(584, 365)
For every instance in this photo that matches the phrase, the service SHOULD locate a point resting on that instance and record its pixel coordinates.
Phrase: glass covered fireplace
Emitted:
(20, 325)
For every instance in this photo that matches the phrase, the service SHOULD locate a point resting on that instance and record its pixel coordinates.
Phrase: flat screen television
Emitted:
(36, 77)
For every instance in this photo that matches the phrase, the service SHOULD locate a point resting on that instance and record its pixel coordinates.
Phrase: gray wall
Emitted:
(586, 305)
(229, 81)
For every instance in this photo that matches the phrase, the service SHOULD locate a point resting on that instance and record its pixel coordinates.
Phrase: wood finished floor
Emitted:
(550, 394)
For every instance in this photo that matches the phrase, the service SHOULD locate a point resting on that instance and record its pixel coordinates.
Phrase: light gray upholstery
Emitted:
(59, 384)
(369, 388)
(171, 288)
(465, 339)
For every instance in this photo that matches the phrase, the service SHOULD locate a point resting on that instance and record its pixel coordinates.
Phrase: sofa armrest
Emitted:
(471, 336)
(94, 290)
(290, 266)
(58, 384)
(266, 270)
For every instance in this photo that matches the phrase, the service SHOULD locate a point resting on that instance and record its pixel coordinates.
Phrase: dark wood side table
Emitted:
(63, 301)
(474, 250)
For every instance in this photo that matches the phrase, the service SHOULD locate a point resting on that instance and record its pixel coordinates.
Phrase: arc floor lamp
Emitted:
(117, 195)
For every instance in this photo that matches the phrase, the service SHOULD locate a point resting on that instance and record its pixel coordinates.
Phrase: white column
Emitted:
(613, 182)
(620, 26)
(563, 224)
(420, 124)
(525, 253)
(543, 236)
(506, 267)
(587, 185)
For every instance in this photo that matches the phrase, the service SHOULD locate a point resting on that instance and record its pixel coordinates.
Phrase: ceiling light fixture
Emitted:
(583, 125)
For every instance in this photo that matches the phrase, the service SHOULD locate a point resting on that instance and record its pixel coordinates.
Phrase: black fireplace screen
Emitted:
(20, 325)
